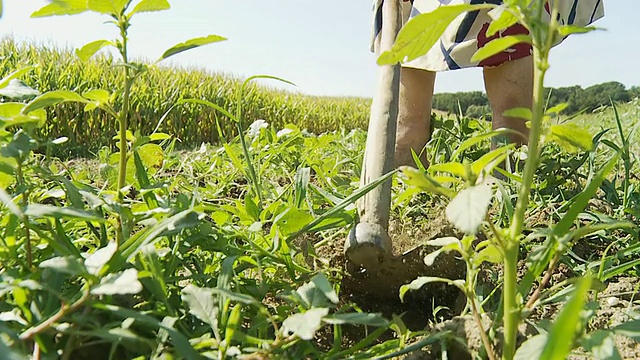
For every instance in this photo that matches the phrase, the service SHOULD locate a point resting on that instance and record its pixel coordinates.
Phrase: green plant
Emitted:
(142, 261)
(469, 206)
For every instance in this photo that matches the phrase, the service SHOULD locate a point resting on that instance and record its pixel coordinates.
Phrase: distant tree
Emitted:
(456, 102)
(602, 94)
(568, 95)
(475, 103)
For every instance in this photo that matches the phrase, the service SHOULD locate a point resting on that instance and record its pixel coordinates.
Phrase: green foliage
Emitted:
(212, 262)
(475, 103)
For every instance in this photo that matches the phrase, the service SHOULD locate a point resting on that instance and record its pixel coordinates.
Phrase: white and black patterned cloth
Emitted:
(467, 33)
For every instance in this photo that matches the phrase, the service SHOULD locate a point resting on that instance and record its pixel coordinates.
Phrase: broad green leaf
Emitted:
(317, 293)
(251, 207)
(150, 6)
(62, 7)
(443, 241)
(152, 155)
(171, 225)
(322, 283)
(520, 113)
(125, 282)
(225, 276)
(422, 32)
(191, 44)
(100, 258)
(87, 51)
(424, 182)
(630, 329)
(6, 179)
(571, 137)
(68, 265)
(52, 98)
(424, 280)
(556, 109)
(487, 162)
(450, 167)
(14, 75)
(602, 345)
(11, 115)
(292, 220)
(490, 254)
(531, 348)
(480, 138)
(18, 90)
(107, 7)
(566, 30)
(357, 319)
(43, 211)
(468, 209)
(159, 136)
(143, 180)
(499, 45)
(201, 304)
(306, 324)
(504, 20)
(430, 258)
(561, 336)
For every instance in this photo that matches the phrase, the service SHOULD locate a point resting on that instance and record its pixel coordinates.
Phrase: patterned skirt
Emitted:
(467, 33)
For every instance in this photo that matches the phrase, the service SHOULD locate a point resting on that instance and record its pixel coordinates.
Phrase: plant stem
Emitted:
(255, 181)
(511, 312)
(37, 354)
(483, 334)
(545, 280)
(123, 122)
(64, 310)
(512, 245)
(25, 218)
(531, 165)
(541, 46)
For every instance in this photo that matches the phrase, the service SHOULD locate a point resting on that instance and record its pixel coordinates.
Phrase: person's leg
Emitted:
(414, 114)
(509, 86)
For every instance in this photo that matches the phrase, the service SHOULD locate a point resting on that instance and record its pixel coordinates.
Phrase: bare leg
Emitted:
(414, 114)
(509, 86)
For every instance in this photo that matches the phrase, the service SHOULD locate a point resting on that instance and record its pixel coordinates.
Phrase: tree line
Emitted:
(476, 103)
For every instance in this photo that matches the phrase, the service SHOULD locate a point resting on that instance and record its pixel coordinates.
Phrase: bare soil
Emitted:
(378, 292)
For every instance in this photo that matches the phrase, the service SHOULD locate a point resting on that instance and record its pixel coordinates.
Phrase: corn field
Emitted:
(157, 92)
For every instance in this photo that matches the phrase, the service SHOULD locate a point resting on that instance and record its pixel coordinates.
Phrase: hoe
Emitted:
(368, 249)
(368, 245)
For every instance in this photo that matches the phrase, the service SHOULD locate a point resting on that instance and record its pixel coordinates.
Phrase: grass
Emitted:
(225, 251)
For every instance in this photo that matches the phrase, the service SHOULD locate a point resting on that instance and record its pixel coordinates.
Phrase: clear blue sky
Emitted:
(322, 46)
